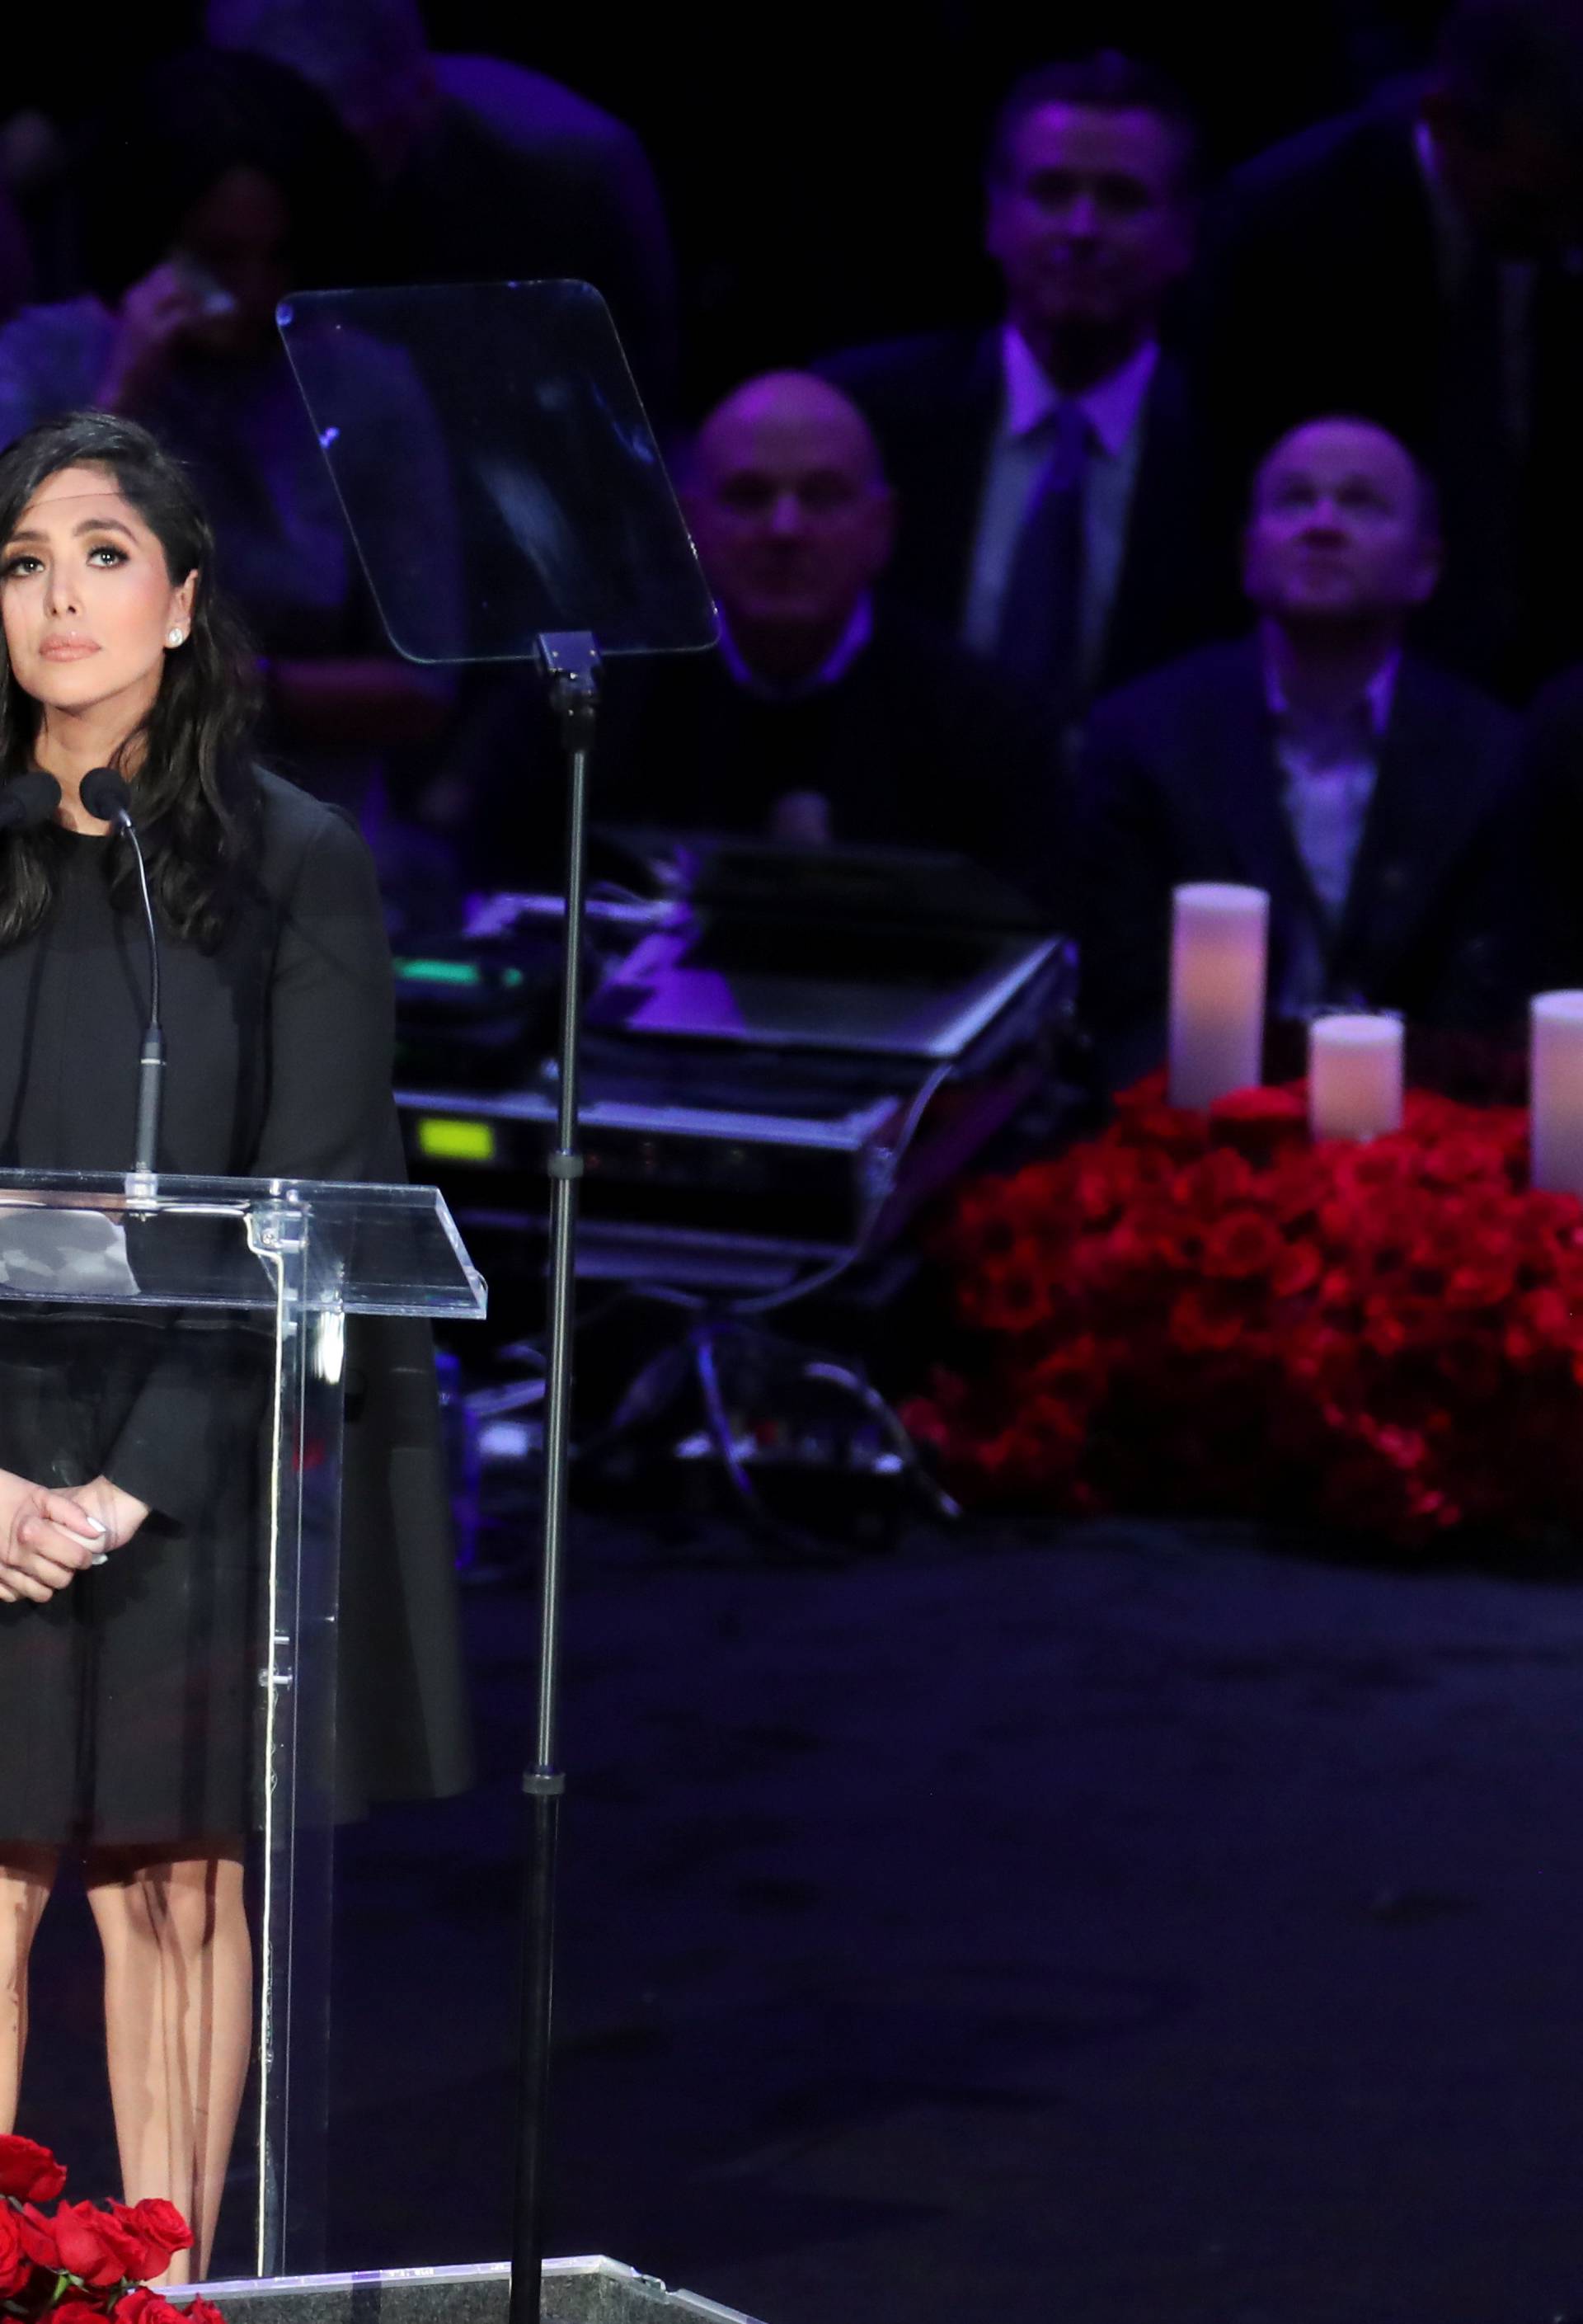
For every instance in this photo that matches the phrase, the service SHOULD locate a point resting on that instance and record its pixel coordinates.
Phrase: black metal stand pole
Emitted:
(571, 662)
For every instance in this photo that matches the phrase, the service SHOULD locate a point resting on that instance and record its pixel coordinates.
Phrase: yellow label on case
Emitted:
(444, 1140)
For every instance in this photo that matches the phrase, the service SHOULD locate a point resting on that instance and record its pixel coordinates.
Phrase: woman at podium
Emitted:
(130, 1449)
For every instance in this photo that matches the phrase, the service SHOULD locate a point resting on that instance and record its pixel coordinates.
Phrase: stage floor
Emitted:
(1080, 1928)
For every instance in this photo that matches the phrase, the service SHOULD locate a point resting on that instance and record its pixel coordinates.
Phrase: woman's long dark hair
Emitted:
(195, 794)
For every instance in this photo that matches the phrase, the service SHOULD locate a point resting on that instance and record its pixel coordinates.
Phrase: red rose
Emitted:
(199, 2311)
(1541, 1326)
(1260, 1123)
(88, 2244)
(1297, 1269)
(1014, 1297)
(78, 2310)
(29, 2172)
(1142, 1120)
(155, 2229)
(1483, 1279)
(1215, 1181)
(15, 2266)
(141, 2306)
(1461, 1158)
(1242, 1244)
(1205, 1322)
(38, 2237)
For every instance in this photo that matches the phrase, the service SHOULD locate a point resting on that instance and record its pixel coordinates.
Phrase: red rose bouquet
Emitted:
(1211, 1314)
(83, 2261)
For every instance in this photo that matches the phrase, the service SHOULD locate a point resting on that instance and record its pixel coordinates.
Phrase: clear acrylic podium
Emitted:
(257, 1279)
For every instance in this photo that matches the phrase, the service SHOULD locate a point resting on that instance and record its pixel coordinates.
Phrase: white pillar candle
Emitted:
(1354, 1076)
(1556, 1091)
(1219, 940)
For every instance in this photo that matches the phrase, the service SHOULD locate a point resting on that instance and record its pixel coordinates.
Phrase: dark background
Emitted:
(821, 168)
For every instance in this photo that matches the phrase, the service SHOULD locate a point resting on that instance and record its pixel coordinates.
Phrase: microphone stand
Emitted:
(151, 1063)
(104, 794)
(570, 661)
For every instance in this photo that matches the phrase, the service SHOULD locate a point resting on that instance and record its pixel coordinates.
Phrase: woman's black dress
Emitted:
(126, 1703)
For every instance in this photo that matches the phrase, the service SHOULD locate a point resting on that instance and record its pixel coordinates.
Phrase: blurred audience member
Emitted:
(488, 173)
(1051, 471)
(1319, 760)
(1418, 262)
(825, 715)
(223, 182)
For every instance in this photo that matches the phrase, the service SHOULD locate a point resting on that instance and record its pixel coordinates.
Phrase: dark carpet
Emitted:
(1088, 1927)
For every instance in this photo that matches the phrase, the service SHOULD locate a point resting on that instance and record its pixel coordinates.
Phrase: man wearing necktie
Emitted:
(1049, 473)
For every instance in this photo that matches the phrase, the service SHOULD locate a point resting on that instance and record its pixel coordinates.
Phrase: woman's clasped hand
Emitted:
(48, 1537)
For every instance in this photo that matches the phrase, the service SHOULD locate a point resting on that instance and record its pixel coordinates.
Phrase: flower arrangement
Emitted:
(1211, 1313)
(84, 2261)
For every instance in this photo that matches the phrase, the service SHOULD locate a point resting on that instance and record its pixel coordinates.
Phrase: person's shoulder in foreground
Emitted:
(296, 827)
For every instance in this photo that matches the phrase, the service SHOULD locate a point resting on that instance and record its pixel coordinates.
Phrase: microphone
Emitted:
(105, 796)
(28, 800)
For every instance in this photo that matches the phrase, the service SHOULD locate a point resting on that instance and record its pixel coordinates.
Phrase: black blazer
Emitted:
(1180, 783)
(934, 404)
(919, 743)
(281, 1047)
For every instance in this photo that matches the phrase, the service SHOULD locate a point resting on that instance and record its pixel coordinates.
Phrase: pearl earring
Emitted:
(174, 637)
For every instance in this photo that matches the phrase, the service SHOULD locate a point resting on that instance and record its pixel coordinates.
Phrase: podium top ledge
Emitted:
(315, 1245)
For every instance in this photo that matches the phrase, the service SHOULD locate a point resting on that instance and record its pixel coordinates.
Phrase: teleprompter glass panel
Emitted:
(496, 469)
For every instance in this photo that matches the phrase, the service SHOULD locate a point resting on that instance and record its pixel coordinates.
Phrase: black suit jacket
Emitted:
(934, 404)
(919, 743)
(1180, 783)
(1322, 290)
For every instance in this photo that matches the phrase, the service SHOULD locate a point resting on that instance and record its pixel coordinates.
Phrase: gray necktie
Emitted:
(1041, 615)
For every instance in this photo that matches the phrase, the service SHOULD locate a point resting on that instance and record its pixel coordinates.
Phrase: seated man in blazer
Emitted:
(1050, 472)
(1318, 759)
(825, 715)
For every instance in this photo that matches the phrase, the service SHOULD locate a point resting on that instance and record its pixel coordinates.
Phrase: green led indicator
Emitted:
(439, 972)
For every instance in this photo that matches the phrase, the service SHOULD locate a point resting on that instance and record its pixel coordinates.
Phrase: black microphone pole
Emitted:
(105, 795)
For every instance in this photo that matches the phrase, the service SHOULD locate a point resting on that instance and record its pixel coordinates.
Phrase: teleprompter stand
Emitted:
(570, 661)
(525, 517)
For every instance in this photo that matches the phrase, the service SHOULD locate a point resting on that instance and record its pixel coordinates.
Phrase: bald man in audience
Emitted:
(822, 716)
(1319, 759)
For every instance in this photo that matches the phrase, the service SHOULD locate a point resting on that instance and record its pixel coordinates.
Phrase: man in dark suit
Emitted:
(825, 716)
(1415, 261)
(1317, 760)
(1050, 472)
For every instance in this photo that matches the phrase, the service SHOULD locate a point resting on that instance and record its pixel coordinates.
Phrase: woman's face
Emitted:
(88, 605)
